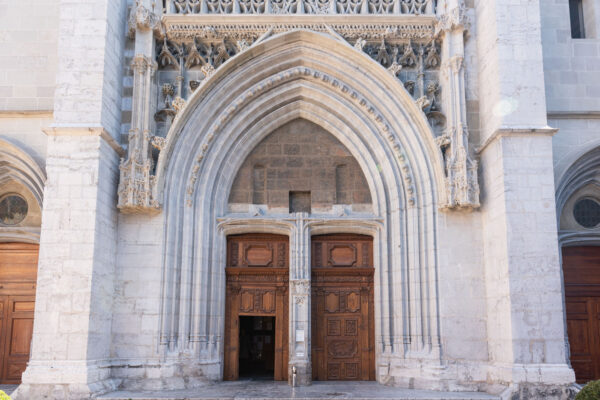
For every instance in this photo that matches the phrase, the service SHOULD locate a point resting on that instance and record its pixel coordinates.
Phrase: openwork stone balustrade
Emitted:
(414, 7)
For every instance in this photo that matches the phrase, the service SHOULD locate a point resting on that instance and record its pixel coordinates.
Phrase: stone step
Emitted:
(255, 390)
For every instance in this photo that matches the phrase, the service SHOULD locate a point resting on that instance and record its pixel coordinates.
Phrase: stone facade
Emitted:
(300, 156)
(458, 134)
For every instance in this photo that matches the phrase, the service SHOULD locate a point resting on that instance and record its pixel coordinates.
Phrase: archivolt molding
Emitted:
(341, 87)
(283, 78)
(412, 48)
(584, 171)
(17, 165)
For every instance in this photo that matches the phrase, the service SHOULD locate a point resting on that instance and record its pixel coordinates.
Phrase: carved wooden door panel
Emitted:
(342, 308)
(18, 273)
(257, 285)
(581, 271)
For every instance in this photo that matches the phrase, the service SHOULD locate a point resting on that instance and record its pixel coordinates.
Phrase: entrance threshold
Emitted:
(251, 390)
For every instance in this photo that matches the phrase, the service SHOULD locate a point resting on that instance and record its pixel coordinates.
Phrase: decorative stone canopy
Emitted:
(408, 46)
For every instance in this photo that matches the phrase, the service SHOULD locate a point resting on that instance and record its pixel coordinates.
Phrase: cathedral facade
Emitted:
(400, 191)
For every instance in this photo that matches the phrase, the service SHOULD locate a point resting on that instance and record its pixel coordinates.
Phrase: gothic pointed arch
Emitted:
(21, 175)
(304, 75)
(580, 181)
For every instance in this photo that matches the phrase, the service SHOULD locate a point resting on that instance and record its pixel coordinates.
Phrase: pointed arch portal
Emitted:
(300, 74)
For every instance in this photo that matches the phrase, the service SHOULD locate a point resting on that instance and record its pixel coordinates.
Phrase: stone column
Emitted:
(300, 290)
(462, 187)
(136, 182)
(526, 332)
(70, 355)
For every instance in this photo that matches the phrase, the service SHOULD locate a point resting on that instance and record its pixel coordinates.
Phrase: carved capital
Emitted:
(454, 64)
(158, 142)
(142, 19)
(453, 19)
(300, 287)
(140, 64)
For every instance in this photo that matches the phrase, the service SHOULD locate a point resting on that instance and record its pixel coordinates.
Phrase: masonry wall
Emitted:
(300, 156)
(28, 44)
(571, 66)
(136, 308)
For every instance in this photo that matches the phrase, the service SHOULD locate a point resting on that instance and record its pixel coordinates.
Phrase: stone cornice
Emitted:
(85, 130)
(27, 114)
(516, 131)
(348, 26)
(573, 114)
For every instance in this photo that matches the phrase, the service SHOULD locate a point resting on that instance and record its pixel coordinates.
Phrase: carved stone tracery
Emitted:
(415, 7)
(411, 52)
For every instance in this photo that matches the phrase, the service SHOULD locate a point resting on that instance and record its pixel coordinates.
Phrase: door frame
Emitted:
(362, 278)
(243, 282)
(14, 288)
(578, 289)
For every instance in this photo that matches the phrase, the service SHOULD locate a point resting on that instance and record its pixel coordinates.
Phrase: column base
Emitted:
(532, 391)
(303, 373)
(62, 381)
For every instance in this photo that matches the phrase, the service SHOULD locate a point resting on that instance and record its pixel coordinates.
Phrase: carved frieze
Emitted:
(415, 7)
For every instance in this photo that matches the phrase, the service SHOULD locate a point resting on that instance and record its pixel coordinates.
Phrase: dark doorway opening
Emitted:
(257, 347)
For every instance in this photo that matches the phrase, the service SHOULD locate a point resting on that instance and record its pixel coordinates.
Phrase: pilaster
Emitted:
(70, 354)
(136, 180)
(462, 186)
(72, 325)
(300, 297)
(526, 332)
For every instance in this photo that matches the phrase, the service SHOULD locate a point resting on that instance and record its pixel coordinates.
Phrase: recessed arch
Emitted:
(21, 174)
(314, 77)
(585, 172)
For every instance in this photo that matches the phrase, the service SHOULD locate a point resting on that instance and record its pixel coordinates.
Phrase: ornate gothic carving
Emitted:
(141, 18)
(136, 181)
(462, 187)
(414, 7)
(352, 31)
(410, 51)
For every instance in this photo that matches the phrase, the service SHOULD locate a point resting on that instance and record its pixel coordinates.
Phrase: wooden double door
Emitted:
(257, 307)
(18, 273)
(342, 308)
(581, 271)
(256, 314)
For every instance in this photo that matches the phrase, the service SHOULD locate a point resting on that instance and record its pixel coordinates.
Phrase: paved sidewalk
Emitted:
(8, 389)
(254, 390)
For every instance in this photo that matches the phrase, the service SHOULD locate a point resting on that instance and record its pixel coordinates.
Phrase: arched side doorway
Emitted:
(578, 210)
(21, 191)
(343, 334)
(581, 270)
(256, 310)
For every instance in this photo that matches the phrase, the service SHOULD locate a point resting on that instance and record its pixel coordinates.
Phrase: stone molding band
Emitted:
(507, 132)
(83, 130)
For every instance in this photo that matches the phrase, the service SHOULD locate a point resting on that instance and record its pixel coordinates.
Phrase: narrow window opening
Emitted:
(576, 14)
(342, 184)
(259, 185)
(300, 202)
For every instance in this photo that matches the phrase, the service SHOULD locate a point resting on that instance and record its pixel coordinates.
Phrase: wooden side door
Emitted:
(342, 308)
(257, 285)
(581, 270)
(19, 331)
(18, 274)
